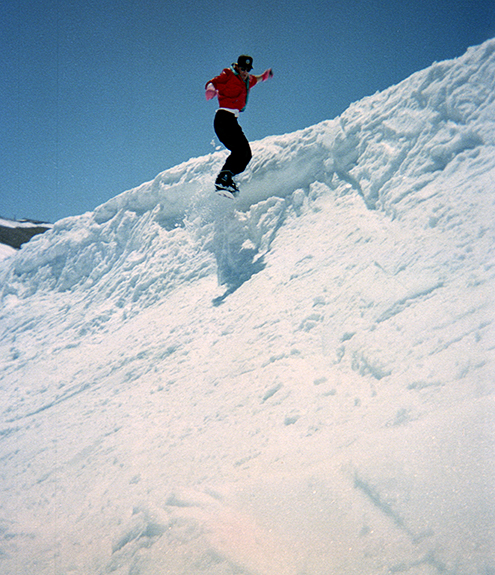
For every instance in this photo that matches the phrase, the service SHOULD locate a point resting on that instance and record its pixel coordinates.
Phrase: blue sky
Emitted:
(99, 96)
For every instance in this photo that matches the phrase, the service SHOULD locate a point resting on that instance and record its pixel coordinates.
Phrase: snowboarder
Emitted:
(232, 88)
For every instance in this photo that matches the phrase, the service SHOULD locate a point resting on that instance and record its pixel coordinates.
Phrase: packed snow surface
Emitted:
(297, 382)
(6, 251)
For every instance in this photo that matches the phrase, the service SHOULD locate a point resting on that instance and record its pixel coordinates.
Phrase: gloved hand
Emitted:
(211, 91)
(267, 74)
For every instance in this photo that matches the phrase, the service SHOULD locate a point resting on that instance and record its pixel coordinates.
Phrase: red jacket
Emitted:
(233, 92)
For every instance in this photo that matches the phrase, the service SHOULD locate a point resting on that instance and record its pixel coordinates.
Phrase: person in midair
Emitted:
(232, 87)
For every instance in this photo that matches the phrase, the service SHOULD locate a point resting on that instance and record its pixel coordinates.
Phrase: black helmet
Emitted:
(245, 62)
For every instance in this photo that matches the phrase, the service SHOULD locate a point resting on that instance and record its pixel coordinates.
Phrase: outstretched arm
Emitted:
(264, 77)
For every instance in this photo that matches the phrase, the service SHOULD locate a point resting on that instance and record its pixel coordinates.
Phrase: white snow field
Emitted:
(297, 382)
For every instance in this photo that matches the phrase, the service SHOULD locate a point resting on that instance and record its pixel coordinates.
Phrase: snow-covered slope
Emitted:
(300, 382)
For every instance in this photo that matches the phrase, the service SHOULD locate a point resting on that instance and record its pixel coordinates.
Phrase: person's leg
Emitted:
(232, 137)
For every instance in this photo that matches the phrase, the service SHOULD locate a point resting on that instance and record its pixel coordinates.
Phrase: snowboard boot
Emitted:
(225, 182)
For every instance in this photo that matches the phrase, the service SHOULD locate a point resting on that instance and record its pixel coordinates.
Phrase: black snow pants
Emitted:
(232, 137)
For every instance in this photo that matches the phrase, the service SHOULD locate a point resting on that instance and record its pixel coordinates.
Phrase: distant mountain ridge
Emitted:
(14, 233)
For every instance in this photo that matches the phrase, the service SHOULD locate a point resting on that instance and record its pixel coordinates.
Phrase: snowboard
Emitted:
(225, 193)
